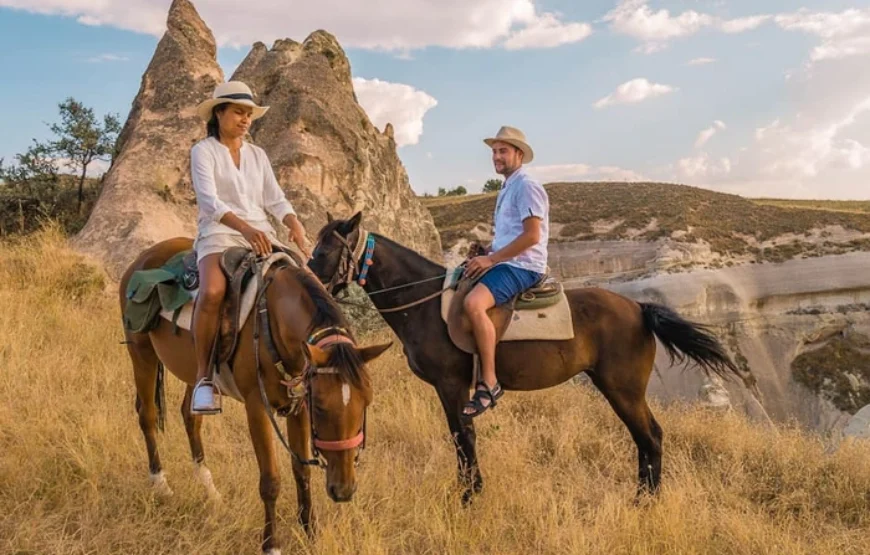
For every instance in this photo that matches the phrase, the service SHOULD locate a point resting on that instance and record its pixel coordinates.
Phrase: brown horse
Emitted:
(334, 378)
(614, 343)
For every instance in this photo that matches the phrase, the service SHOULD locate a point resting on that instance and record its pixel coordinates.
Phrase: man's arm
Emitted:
(530, 237)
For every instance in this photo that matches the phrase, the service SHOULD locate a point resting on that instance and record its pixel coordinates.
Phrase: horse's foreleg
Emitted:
(270, 483)
(145, 375)
(298, 436)
(192, 425)
(453, 399)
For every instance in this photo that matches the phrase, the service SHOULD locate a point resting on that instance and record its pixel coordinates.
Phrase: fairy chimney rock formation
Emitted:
(326, 153)
(147, 196)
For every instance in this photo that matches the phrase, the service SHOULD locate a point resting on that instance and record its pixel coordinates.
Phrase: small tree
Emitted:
(35, 173)
(457, 192)
(492, 185)
(82, 139)
(442, 191)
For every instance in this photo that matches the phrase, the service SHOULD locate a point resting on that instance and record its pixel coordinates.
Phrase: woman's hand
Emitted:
(297, 234)
(258, 240)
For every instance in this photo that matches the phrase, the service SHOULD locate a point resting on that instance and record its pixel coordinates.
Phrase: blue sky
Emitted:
(758, 98)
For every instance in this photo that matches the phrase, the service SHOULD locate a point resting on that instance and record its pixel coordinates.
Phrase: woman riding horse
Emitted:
(235, 188)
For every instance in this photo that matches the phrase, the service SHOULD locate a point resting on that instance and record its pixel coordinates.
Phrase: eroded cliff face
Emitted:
(799, 327)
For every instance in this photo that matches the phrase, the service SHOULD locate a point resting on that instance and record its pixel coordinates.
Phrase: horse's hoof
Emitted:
(273, 551)
(468, 497)
(159, 485)
(203, 475)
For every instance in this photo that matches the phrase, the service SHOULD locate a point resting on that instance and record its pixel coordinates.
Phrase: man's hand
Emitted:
(477, 265)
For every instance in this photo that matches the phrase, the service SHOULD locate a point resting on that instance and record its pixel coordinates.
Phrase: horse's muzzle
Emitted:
(341, 493)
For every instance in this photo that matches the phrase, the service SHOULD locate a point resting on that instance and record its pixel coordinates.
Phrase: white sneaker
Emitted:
(203, 400)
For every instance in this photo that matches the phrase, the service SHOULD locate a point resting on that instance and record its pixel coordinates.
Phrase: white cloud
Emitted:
(401, 105)
(656, 27)
(107, 58)
(843, 34)
(394, 26)
(700, 61)
(581, 172)
(792, 152)
(634, 91)
(708, 133)
(744, 24)
(547, 31)
(703, 167)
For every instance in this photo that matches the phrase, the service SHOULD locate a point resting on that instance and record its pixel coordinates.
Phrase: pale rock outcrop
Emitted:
(147, 196)
(327, 155)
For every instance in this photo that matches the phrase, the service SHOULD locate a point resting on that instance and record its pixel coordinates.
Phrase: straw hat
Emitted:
(515, 137)
(234, 92)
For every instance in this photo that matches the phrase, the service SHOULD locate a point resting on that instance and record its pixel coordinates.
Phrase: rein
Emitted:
(299, 388)
(350, 261)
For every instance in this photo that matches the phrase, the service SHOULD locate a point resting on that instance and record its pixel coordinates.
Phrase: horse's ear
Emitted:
(352, 224)
(373, 351)
(329, 218)
(316, 355)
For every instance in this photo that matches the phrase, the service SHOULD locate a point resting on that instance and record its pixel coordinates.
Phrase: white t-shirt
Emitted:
(249, 191)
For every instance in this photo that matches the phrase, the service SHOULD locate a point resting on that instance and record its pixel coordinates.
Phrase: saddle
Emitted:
(538, 313)
(238, 265)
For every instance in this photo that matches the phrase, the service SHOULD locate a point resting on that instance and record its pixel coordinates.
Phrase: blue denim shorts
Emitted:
(505, 281)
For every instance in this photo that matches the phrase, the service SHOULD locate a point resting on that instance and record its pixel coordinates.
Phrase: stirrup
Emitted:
(206, 388)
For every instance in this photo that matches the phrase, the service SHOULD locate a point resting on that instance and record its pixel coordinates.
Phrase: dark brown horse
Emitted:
(334, 378)
(614, 343)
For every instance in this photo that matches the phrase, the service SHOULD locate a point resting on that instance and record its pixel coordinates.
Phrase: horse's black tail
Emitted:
(683, 339)
(160, 398)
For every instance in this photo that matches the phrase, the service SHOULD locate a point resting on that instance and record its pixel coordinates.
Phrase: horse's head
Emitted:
(338, 393)
(334, 388)
(336, 255)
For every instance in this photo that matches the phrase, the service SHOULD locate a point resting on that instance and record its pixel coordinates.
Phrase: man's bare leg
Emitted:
(476, 303)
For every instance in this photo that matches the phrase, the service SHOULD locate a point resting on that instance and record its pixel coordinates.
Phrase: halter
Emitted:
(299, 388)
(352, 257)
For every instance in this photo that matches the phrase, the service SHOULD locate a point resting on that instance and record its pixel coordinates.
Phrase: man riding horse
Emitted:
(517, 258)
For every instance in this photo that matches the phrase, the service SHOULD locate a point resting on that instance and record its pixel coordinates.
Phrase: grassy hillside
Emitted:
(559, 465)
(648, 211)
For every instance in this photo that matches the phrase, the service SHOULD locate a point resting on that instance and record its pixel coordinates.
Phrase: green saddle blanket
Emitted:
(151, 291)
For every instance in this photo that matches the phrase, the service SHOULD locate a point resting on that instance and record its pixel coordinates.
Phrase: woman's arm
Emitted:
(276, 203)
(202, 173)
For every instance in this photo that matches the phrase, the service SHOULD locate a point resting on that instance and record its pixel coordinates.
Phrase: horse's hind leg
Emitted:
(192, 425)
(145, 363)
(629, 402)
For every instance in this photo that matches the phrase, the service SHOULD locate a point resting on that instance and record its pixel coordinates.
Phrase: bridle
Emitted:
(361, 256)
(300, 388)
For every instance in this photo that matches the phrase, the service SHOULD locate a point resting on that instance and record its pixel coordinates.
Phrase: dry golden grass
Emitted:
(559, 466)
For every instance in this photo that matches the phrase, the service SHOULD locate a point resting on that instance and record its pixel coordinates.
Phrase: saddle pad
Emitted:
(553, 323)
(249, 297)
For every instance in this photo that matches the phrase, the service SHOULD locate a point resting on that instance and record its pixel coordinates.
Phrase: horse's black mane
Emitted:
(342, 356)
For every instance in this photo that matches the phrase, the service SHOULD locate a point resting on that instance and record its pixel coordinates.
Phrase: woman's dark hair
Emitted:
(213, 127)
